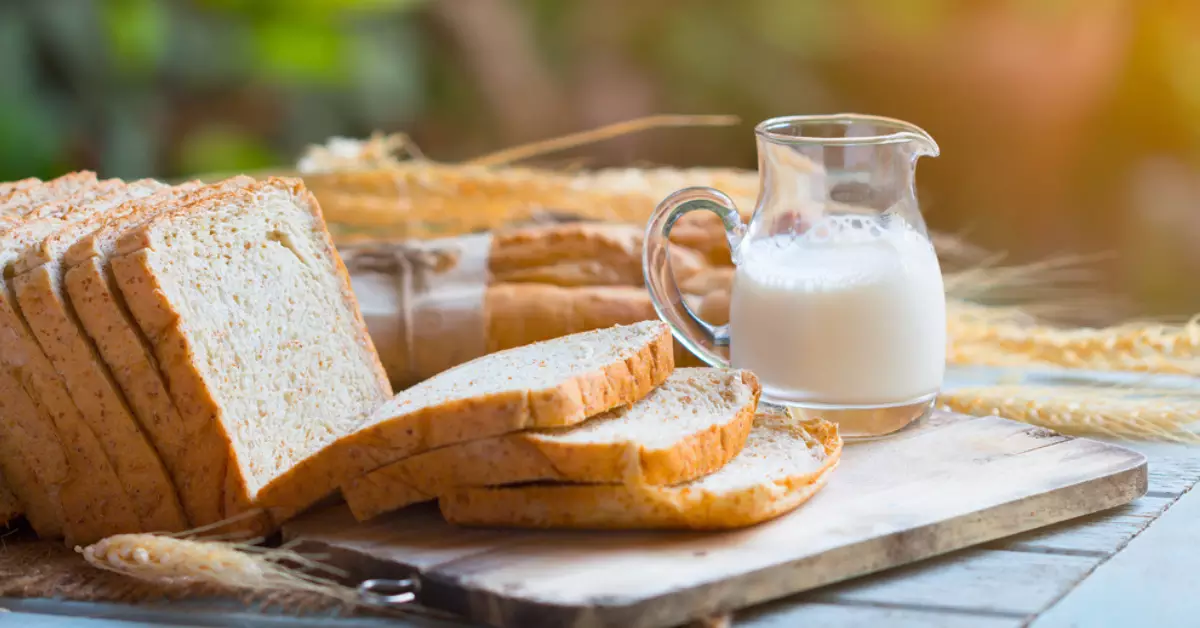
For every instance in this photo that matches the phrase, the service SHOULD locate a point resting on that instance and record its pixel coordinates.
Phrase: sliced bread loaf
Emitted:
(249, 312)
(688, 427)
(58, 445)
(554, 383)
(46, 308)
(783, 464)
(126, 355)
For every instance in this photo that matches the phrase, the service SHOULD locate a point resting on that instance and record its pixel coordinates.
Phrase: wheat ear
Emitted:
(1095, 411)
(169, 560)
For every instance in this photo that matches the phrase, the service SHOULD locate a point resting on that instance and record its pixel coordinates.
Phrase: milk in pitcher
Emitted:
(849, 314)
(837, 303)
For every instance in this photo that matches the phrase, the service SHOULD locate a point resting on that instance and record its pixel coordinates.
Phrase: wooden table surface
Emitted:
(1131, 566)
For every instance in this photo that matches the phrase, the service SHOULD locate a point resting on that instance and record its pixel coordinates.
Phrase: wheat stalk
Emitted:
(167, 559)
(1114, 412)
(1136, 347)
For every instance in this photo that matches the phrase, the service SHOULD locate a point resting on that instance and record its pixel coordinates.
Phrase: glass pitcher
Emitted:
(837, 302)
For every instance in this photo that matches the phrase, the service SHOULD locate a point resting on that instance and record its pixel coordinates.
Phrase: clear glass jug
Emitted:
(837, 301)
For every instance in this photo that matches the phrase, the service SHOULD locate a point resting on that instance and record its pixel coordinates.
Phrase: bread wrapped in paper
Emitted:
(433, 304)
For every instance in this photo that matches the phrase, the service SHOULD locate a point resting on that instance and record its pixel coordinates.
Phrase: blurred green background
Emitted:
(1066, 126)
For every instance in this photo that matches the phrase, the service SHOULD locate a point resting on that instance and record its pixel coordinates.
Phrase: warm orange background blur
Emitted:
(1066, 126)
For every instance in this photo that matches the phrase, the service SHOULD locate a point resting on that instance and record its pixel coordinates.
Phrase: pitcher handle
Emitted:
(698, 335)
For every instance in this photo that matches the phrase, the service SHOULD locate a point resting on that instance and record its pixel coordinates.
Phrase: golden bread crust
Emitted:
(525, 457)
(687, 506)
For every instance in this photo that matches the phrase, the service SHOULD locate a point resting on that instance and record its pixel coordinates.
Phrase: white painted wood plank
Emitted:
(792, 615)
(1152, 582)
(1102, 534)
(26, 620)
(1016, 583)
(1174, 475)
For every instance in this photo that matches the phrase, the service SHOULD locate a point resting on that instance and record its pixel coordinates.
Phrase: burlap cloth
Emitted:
(30, 568)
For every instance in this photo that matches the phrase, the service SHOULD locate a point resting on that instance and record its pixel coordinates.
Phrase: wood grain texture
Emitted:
(953, 482)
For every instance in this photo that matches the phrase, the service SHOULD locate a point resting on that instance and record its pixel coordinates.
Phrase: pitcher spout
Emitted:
(922, 140)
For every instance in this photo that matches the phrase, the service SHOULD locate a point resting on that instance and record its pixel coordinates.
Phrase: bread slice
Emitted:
(689, 427)
(555, 383)
(74, 476)
(249, 312)
(784, 463)
(47, 309)
(127, 356)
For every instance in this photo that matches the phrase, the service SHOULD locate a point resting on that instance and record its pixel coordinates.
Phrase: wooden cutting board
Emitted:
(952, 482)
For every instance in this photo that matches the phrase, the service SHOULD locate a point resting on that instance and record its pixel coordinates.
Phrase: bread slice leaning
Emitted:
(249, 312)
(688, 427)
(127, 357)
(783, 465)
(554, 383)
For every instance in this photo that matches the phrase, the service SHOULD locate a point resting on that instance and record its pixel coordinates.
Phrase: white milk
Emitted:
(849, 314)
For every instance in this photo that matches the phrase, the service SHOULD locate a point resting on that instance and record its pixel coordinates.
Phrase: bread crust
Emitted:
(646, 507)
(525, 457)
(518, 314)
(94, 506)
(578, 254)
(38, 498)
(571, 401)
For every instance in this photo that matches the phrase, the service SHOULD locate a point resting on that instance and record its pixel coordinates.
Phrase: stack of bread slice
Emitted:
(176, 357)
(692, 452)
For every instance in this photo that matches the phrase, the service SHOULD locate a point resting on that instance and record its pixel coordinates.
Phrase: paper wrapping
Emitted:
(423, 302)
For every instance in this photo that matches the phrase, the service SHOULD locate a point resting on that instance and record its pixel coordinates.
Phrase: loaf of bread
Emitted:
(783, 464)
(578, 254)
(436, 304)
(688, 427)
